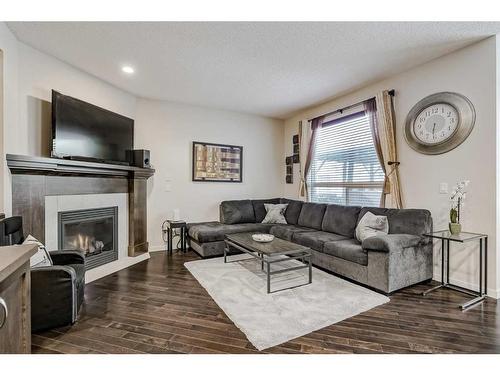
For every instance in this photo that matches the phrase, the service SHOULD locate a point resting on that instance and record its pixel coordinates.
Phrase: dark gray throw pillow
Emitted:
(237, 212)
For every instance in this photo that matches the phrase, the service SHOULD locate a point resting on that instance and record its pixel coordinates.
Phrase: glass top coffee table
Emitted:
(270, 253)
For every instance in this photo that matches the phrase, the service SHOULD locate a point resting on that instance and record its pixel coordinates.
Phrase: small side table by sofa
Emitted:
(446, 237)
(171, 228)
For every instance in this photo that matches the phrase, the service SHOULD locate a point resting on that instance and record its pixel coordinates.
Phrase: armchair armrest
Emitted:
(391, 242)
(63, 257)
(53, 297)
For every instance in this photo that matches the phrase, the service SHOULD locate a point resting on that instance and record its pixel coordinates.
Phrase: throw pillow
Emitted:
(371, 225)
(275, 213)
(42, 257)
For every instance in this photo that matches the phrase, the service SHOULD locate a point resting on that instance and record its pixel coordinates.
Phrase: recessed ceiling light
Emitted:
(127, 69)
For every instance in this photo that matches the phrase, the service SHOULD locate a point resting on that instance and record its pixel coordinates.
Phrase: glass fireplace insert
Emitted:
(93, 231)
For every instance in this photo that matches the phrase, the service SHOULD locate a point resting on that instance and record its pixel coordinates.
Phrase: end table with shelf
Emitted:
(175, 229)
(446, 237)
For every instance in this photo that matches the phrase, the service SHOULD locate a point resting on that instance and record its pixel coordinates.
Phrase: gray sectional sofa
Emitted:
(386, 262)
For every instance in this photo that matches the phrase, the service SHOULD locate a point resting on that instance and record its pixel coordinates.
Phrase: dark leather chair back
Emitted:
(12, 230)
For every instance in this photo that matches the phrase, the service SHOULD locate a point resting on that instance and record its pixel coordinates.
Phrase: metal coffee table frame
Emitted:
(302, 255)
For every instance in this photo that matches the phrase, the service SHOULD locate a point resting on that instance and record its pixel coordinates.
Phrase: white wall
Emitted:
(497, 198)
(8, 45)
(38, 75)
(169, 129)
(471, 72)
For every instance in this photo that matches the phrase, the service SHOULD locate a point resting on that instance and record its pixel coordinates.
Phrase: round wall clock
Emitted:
(439, 123)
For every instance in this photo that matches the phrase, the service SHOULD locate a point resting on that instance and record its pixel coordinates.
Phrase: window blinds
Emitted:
(345, 168)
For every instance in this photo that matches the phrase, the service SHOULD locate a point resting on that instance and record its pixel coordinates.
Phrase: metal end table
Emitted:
(170, 228)
(446, 237)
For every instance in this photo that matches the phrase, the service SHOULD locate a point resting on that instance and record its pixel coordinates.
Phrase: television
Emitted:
(84, 131)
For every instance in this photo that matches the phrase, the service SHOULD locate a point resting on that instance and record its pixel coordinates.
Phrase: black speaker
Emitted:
(139, 158)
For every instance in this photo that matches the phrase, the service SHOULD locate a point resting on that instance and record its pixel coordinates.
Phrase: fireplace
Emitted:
(93, 231)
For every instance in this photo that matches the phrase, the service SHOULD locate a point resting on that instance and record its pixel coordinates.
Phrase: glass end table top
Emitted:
(460, 237)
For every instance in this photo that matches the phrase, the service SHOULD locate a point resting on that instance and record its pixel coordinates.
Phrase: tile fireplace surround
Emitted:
(60, 203)
(42, 187)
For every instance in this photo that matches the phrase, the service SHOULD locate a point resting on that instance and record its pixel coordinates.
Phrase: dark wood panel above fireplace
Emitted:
(34, 178)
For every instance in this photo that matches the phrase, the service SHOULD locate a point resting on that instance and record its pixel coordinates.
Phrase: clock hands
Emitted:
(433, 130)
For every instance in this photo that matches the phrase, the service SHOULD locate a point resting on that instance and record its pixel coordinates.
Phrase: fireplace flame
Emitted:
(87, 243)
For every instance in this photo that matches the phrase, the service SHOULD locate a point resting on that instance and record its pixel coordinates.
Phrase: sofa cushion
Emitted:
(237, 212)
(259, 208)
(215, 231)
(349, 250)
(286, 232)
(315, 240)
(292, 211)
(340, 219)
(311, 215)
(404, 221)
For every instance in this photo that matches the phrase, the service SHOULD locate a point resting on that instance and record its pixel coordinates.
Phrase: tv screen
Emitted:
(80, 129)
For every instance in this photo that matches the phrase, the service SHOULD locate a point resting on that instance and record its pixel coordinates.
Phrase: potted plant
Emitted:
(457, 198)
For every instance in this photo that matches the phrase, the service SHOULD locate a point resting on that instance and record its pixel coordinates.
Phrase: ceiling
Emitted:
(271, 69)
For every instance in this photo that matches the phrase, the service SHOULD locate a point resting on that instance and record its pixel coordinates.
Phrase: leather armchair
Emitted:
(57, 291)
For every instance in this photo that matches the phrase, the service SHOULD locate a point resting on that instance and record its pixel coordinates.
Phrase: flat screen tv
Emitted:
(82, 130)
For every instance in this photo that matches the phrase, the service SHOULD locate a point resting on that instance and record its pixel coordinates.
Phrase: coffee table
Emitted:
(270, 253)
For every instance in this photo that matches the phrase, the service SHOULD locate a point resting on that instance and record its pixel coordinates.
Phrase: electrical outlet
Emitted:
(443, 188)
(168, 186)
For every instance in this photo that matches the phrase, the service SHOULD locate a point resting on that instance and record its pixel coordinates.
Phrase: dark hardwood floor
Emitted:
(157, 307)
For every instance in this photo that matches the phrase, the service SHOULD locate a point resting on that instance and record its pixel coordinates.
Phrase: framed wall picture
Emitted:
(215, 162)
(289, 169)
(296, 148)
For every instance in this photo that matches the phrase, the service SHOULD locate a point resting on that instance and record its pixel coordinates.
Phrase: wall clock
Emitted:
(439, 123)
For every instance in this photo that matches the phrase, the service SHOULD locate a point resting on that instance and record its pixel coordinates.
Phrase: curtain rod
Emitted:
(392, 92)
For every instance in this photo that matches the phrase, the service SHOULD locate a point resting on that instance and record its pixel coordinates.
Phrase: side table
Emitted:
(176, 229)
(446, 237)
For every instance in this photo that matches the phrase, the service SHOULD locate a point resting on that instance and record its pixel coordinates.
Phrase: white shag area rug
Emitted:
(239, 288)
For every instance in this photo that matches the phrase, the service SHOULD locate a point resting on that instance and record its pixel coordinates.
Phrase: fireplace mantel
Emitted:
(23, 164)
(34, 178)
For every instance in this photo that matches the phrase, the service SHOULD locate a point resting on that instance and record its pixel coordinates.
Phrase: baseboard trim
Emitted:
(155, 248)
(98, 273)
(493, 293)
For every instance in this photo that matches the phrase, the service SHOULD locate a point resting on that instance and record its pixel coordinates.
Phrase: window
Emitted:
(344, 167)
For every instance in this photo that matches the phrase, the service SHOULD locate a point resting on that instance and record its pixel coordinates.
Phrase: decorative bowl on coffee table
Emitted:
(262, 237)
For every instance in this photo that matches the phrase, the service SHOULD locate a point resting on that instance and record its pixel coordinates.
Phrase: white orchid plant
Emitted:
(458, 195)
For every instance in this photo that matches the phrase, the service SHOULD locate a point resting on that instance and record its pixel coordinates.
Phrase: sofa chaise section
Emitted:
(207, 238)
(236, 216)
